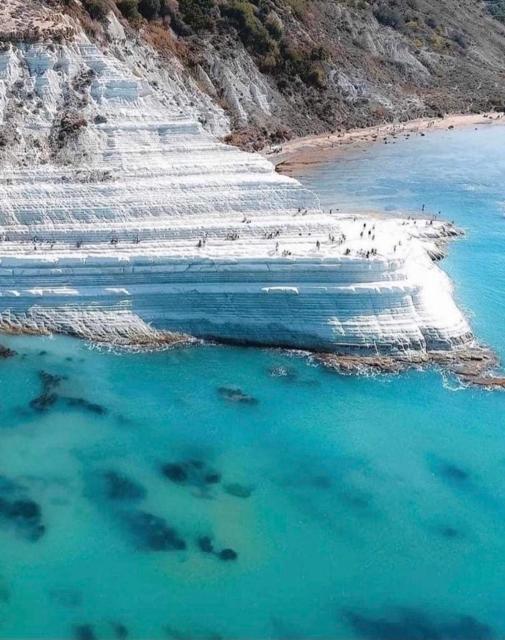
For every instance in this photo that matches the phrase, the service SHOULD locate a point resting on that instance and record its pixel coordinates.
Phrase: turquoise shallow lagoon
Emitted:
(366, 508)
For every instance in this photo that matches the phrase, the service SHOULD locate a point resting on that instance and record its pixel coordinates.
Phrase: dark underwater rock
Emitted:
(120, 631)
(50, 380)
(5, 352)
(84, 632)
(175, 472)
(25, 510)
(449, 532)
(86, 405)
(449, 472)
(205, 544)
(411, 624)
(227, 555)
(25, 515)
(192, 472)
(212, 477)
(8, 486)
(238, 490)
(44, 401)
(152, 533)
(47, 397)
(233, 394)
(119, 487)
(176, 634)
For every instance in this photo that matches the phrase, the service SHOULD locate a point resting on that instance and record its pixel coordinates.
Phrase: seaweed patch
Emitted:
(238, 490)
(117, 486)
(206, 545)
(47, 398)
(193, 473)
(449, 472)
(413, 624)
(84, 632)
(86, 405)
(234, 394)
(20, 512)
(152, 533)
(5, 352)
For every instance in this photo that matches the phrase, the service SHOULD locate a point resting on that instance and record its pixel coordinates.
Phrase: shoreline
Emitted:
(473, 365)
(292, 156)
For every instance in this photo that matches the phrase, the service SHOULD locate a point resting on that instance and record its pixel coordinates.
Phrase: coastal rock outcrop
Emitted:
(118, 212)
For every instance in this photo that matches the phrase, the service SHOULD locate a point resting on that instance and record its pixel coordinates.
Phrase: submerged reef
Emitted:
(19, 512)
(411, 624)
(152, 533)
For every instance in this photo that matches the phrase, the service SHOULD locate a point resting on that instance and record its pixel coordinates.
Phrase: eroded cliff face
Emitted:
(118, 209)
(266, 71)
(328, 65)
(122, 216)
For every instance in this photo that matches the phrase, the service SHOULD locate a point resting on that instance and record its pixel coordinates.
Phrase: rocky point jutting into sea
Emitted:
(122, 218)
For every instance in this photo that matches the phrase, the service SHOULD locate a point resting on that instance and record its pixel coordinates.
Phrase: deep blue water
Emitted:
(366, 508)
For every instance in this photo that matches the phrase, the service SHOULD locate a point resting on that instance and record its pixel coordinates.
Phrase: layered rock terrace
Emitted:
(117, 207)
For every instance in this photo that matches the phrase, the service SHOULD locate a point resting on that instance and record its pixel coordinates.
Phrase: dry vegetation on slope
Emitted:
(283, 68)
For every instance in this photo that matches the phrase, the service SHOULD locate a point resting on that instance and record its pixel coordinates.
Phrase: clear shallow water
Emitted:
(359, 508)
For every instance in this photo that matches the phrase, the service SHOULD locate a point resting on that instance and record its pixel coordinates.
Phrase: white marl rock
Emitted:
(112, 197)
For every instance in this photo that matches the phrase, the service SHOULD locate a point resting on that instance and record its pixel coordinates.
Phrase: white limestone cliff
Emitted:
(118, 210)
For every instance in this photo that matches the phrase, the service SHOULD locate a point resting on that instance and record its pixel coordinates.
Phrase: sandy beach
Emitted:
(292, 156)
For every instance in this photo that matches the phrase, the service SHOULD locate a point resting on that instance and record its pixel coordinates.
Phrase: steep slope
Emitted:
(283, 68)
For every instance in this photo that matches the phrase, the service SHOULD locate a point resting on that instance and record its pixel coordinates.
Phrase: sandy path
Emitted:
(292, 156)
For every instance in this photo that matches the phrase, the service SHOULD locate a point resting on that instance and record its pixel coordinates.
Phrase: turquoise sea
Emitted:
(241, 493)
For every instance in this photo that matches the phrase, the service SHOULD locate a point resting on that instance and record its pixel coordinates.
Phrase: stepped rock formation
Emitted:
(118, 212)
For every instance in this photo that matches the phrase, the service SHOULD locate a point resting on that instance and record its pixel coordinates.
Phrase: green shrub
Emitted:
(97, 9)
(129, 8)
(150, 9)
(242, 15)
(315, 77)
(274, 25)
(304, 64)
(298, 7)
(197, 14)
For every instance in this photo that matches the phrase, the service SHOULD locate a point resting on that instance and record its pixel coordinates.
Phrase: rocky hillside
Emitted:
(283, 68)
